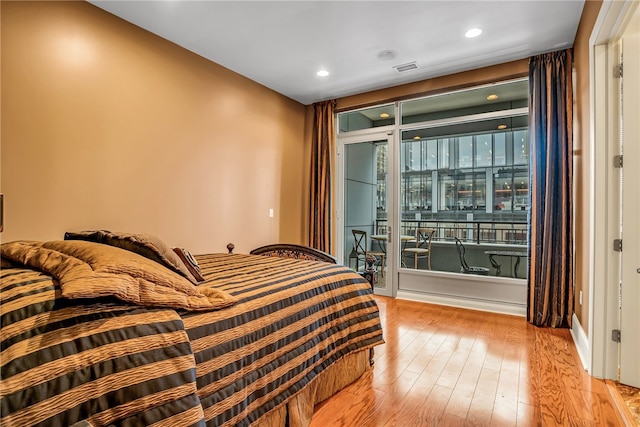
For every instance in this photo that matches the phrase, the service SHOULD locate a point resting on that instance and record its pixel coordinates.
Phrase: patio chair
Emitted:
(360, 245)
(466, 268)
(423, 246)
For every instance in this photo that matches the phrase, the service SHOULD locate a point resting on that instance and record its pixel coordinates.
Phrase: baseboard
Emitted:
(581, 341)
(472, 304)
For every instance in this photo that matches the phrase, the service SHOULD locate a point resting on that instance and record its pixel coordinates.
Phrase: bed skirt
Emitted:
(299, 409)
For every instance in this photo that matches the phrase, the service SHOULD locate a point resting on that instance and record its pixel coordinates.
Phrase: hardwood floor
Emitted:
(444, 366)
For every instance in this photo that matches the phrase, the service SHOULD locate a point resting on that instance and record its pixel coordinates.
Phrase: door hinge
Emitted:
(615, 335)
(617, 71)
(617, 161)
(617, 245)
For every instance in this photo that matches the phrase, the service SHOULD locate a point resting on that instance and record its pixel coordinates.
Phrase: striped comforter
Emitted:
(103, 362)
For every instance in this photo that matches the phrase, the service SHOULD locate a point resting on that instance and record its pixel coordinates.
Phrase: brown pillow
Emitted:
(92, 270)
(190, 262)
(146, 245)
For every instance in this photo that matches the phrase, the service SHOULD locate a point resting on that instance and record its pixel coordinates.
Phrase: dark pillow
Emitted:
(146, 245)
(190, 262)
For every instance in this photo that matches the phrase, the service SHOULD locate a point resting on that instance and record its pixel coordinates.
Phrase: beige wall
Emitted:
(582, 160)
(105, 125)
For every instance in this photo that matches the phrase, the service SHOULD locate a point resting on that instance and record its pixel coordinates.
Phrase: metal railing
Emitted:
(478, 231)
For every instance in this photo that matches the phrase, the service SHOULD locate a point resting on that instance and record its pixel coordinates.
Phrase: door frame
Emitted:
(600, 356)
(375, 134)
(629, 276)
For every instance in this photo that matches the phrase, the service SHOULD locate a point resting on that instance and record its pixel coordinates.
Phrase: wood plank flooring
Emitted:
(444, 366)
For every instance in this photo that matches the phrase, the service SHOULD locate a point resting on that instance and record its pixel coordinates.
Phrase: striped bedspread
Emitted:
(103, 362)
(64, 361)
(293, 319)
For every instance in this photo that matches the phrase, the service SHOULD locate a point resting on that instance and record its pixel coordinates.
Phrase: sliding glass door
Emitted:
(439, 188)
(365, 209)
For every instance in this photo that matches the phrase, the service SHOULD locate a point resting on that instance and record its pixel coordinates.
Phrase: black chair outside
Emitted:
(360, 245)
(466, 268)
(423, 246)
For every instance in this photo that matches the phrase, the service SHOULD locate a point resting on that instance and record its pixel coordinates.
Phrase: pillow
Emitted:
(91, 270)
(143, 244)
(190, 262)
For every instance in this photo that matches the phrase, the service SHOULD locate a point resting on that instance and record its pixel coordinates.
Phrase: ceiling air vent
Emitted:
(406, 67)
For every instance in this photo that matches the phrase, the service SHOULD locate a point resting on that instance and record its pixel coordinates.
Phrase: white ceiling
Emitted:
(281, 44)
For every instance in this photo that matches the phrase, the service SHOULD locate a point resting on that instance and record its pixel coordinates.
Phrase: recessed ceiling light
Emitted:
(322, 73)
(386, 55)
(502, 126)
(384, 115)
(474, 32)
(492, 97)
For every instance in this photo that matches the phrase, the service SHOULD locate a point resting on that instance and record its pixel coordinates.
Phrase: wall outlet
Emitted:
(270, 213)
(580, 297)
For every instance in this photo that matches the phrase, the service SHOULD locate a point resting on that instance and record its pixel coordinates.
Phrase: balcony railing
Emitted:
(478, 231)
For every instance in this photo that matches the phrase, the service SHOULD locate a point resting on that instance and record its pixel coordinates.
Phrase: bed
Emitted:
(97, 335)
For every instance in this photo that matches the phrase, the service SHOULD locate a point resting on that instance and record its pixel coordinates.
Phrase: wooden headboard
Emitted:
(289, 250)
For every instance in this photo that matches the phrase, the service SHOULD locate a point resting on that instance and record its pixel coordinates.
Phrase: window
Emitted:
(474, 172)
(463, 166)
(381, 176)
(367, 118)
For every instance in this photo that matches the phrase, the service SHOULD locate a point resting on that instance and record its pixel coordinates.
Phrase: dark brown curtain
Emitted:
(550, 283)
(320, 195)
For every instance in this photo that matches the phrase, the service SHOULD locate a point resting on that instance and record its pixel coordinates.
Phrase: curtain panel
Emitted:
(550, 282)
(320, 195)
